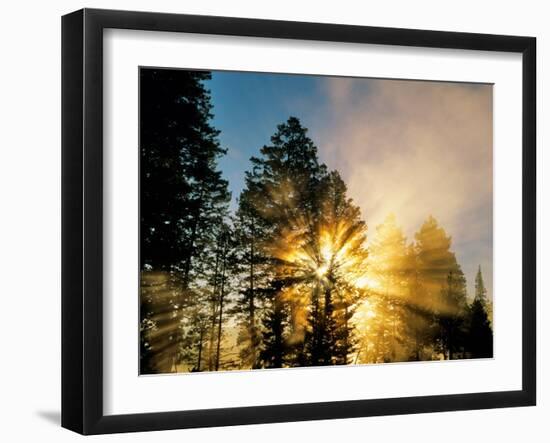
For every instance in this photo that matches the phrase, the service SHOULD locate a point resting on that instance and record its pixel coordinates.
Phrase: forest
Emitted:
(294, 276)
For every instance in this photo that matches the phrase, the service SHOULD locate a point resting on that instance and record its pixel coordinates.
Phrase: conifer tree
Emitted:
(387, 265)
(450, 314)
(480, 291)
(279, 197)
(275, 351)
(182, 189)
(182, 195)
(330, 260)
(443, 287)
(480, 334)
(418, 312)
(252, 267)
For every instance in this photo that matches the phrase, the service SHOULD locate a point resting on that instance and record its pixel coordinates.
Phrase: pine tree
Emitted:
(275, 350)
(329, 261)
(252, 268)
(387, 265)
(480, 291)
(450, 314)
(181, 189)
(342, 247)
(182, 195)
(227, 258)
(443, 287)
(418, 313)
(279, 198)
(480, 333)
(435, 258)
(194, 337)
(481, 294)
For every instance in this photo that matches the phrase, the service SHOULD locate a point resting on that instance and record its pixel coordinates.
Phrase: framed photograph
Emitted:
(269, 221)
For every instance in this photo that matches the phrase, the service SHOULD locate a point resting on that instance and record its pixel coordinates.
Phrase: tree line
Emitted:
(289, 278)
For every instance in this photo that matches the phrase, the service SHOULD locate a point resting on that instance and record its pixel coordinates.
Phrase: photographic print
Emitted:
(291, 221)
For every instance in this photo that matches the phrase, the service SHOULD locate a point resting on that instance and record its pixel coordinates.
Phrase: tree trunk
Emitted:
(278, 332)
(347, 335)
(251, 307)
(213, 324)
(224, 259)
(327, 328)
(200, 350)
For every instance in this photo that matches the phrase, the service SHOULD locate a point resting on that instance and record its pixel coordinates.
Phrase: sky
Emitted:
(411, 148)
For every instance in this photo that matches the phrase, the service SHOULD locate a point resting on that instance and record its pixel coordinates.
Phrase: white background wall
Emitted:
(30, 218)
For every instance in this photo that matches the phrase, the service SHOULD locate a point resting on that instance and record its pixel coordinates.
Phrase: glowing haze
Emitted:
(411, 148)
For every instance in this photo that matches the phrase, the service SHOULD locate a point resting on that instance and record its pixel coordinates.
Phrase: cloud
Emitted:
(416, 148)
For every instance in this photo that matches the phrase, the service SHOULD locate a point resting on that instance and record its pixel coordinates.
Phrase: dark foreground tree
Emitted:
(308, 238)
(181, 189)
(449, 318)
(278, 201)
(338, 253)
(182, 196)
(443, 288)
(480, 333)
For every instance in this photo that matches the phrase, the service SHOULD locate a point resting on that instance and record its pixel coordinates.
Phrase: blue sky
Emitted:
(411, 148)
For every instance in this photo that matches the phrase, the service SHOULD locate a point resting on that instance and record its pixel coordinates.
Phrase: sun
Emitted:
(327, 253)
(321, 271)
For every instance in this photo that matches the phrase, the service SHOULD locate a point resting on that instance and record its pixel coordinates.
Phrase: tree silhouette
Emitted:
(449, 316)
(443, 287)
(182, 196)
(480, 334)
(279, 198)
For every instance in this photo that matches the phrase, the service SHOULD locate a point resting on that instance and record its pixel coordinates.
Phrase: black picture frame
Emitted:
(82, 219)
